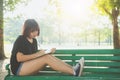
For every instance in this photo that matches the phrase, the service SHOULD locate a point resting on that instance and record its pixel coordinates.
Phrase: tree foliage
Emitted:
(6, 5)
(112, 9)
(107, 6)
(10, 5)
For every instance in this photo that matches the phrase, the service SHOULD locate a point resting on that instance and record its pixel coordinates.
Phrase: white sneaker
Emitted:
(81, 62)
(78, 68)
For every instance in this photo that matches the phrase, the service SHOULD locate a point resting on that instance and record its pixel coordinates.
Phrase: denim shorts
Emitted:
(19, 68)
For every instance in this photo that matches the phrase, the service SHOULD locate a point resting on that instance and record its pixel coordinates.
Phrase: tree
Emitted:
(2, 55)
(5, 5)
(111, 8)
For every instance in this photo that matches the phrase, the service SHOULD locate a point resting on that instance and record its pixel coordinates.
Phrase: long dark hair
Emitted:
(29, 26)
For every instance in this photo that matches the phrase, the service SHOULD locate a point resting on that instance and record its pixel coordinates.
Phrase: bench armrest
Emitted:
(7, 67)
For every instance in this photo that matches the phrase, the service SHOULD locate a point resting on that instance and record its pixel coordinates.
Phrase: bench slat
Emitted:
(103, 64)
(90, 57)
(89, 51)
(60, 78)
(100, 75)
(103, 70)
(99, 64)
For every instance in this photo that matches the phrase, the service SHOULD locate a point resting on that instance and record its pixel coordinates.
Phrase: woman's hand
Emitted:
(50, 51)
(41, 52)
(53, 50)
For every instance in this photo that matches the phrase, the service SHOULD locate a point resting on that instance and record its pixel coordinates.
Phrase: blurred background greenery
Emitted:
(63, 24)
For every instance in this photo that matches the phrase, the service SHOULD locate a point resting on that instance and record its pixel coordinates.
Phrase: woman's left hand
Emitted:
(53, 50)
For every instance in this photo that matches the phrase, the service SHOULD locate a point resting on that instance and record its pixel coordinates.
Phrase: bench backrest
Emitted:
(101, 61)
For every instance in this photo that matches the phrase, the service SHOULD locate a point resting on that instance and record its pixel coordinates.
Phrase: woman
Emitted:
(27, 60)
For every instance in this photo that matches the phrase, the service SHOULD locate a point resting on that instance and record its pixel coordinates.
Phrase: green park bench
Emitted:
(100, 64)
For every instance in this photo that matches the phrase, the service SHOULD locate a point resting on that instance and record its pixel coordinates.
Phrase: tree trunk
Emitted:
(2, 55)
(115, 35)
(115, 14)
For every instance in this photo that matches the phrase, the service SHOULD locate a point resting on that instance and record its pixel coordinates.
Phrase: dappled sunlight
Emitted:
(78, 9)
(72, 16)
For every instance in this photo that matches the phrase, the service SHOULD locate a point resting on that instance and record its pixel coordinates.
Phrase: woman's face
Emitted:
(33, 34)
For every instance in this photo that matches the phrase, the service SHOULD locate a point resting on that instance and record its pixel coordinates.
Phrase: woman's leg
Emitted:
(61, 61)
(33, 66)
(59, 65)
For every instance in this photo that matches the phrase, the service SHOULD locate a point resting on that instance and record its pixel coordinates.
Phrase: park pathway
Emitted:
(3, 72)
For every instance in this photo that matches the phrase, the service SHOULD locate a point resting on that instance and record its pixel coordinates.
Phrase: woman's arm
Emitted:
(21, 57)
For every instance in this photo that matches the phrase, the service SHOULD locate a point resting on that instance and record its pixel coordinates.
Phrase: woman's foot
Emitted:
(81, 61)
(78, 68)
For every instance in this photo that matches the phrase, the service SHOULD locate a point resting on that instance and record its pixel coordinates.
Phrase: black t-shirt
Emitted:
(24, 46)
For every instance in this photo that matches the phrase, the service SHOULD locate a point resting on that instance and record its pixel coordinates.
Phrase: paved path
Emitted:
(3, 72)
